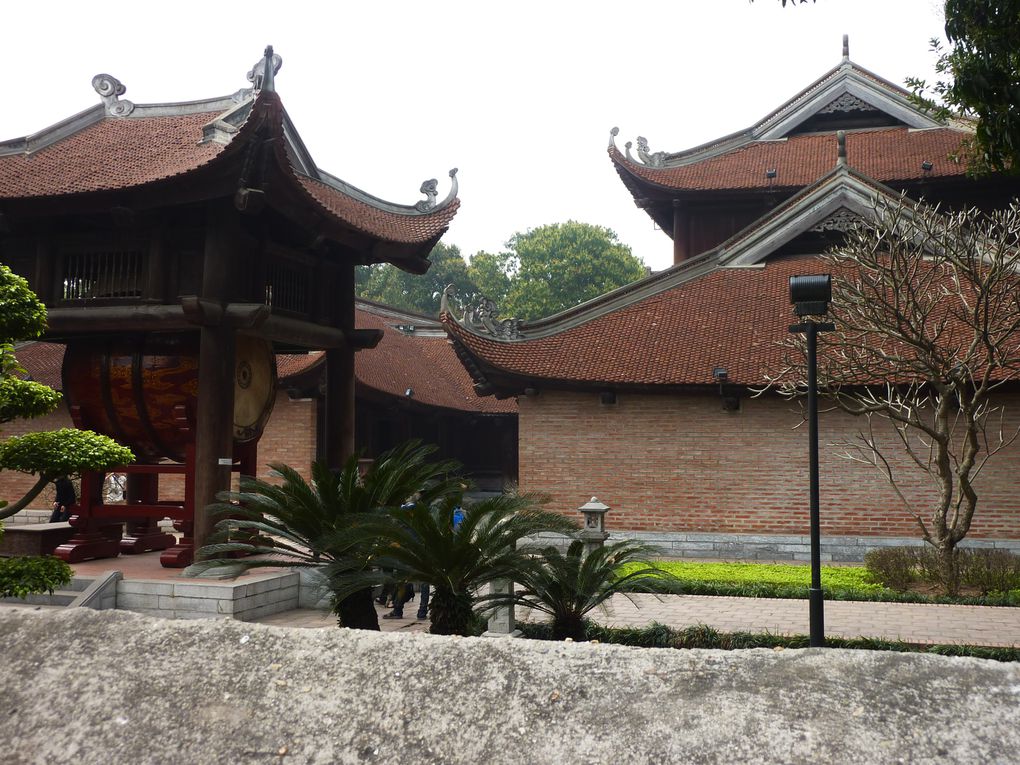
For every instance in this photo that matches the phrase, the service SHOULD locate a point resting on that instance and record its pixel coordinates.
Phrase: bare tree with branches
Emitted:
(927, 313)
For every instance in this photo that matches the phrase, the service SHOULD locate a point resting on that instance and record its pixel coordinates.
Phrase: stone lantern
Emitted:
(594, 533)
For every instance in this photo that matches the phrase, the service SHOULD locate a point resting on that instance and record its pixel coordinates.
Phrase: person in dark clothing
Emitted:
(65, 499)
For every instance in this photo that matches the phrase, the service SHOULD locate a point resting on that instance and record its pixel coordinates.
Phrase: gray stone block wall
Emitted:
(761, 547)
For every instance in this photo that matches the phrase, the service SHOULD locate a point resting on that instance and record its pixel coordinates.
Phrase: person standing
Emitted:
(65, 499)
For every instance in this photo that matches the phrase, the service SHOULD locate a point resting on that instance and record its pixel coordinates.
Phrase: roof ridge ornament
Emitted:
(262, 75)
(110, 89)
(481, 317)
(612, 137)
(430, 189)
(846, 49)
(840, 148)
(652, 160)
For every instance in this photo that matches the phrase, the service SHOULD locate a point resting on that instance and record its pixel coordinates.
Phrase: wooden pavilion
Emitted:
(201, 235)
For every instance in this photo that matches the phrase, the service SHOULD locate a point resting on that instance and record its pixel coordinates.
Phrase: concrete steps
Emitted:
(62, 597)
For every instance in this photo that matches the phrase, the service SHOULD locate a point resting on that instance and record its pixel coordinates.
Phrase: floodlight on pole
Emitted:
(810, 296)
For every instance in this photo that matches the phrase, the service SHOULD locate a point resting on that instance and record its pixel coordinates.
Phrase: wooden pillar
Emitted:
(681, 232)
(214, 429)
(339, 399)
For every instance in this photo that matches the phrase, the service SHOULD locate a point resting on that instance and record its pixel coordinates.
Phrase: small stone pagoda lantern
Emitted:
(594, 533)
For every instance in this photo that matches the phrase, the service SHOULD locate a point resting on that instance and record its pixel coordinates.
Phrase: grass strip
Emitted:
(760, 580)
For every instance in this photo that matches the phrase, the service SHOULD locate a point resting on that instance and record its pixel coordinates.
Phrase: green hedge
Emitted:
(702, 636)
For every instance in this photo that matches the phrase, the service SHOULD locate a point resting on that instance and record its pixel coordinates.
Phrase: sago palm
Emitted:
(420, 543)
(567, 586)
(302, 524)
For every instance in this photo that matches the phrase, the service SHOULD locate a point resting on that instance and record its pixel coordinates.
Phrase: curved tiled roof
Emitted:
(730, 317)
(96, 151)
(427, 365)
(887, 154)
(113, 153)
(388, 225)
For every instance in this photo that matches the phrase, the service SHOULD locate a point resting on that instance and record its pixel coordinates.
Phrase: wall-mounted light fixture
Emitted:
(927, 166)
(771, 173)
(409, 392)
(729, 394)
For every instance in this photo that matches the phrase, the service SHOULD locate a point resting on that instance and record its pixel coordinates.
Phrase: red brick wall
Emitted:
(681, 463)
(289, 437)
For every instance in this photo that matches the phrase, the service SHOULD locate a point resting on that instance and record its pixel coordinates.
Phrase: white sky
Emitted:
(520, 96)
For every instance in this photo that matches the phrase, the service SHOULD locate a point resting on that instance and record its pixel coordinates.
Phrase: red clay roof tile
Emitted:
(887, 155)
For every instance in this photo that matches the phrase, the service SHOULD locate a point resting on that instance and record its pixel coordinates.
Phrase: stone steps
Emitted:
(62, 597)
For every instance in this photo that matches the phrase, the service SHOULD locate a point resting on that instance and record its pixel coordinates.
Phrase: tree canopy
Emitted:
(542, 271)
(980, 77)
(555, 267)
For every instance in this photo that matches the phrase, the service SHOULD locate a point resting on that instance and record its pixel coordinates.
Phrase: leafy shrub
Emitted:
(990, 570)
(931, 569)
(894, 567)
(68, 451)
(20, 577)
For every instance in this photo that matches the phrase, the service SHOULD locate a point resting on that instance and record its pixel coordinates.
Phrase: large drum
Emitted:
(136, 390)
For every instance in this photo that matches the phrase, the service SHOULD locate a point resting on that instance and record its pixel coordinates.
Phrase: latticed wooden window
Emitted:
(287, 287)
(102, 275)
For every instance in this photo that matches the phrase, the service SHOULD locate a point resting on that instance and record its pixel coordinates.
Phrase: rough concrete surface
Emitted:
(83, 686)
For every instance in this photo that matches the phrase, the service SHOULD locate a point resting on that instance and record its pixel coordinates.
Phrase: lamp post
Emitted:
(810, 296)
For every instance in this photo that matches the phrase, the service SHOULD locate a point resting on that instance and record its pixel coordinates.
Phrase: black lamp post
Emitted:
(810, 296)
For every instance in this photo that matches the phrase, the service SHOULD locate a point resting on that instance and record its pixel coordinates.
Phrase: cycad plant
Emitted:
(567, 586)
(420, 543)
(302, 524)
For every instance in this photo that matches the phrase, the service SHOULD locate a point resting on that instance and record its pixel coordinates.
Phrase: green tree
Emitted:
(490, 275)
(980, 77)
(47, 455)
(557, 266)
(387, 284)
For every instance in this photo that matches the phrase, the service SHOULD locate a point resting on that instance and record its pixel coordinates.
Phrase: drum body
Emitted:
(143, 391)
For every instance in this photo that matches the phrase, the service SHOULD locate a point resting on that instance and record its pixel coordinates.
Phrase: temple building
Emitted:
(179, 248)
(645, 396)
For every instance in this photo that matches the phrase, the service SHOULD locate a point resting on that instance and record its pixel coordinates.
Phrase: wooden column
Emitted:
(681, 232)
(339, 399)
(214, 429)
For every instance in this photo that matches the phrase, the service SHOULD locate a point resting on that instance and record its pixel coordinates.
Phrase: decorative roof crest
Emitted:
(430, 189)
(482, 317)
(840, 148)
(261, 74)
(846, 49)
(110, 89)
(652, 160)
(612, 137)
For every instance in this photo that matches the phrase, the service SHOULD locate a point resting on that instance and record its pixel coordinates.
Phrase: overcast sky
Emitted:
(520, 96)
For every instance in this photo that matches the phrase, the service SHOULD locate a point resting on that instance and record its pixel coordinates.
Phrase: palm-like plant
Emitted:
(420, 543)
(302, 524)
(568, 586)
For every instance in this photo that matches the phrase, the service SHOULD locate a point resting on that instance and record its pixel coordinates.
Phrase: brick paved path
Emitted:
(910, 622)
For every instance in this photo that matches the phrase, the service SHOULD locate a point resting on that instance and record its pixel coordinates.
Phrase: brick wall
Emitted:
(289, 437)
(681, 463)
